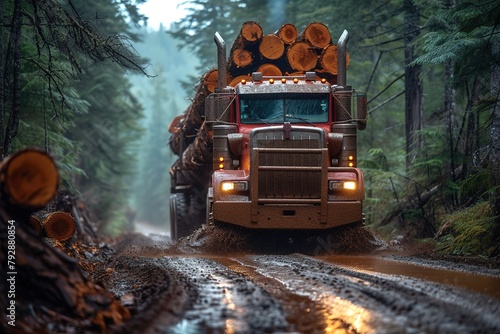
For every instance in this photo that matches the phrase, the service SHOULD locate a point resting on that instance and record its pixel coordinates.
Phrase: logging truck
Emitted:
(282, 151)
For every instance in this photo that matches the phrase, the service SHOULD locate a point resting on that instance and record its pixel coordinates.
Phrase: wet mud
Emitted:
(220, 281)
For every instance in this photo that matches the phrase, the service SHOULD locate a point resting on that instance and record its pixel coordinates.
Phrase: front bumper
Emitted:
(287, 216)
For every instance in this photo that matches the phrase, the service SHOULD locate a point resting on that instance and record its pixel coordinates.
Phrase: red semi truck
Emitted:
(284, 153)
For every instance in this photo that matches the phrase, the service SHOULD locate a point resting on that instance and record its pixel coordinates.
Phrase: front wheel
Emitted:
(187, 213)
(178, 216)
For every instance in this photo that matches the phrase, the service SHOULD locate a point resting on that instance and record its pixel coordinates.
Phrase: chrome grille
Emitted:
(288, 168)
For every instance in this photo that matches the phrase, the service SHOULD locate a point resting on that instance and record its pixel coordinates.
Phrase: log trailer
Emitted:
(284, 153)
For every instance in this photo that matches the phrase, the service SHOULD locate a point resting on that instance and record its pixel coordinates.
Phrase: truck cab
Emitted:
(285, 159)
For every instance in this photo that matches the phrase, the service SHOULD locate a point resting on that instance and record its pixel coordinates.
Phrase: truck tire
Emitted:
(179, 219)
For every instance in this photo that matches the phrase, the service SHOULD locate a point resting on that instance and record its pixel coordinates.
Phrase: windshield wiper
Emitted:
(305, 120)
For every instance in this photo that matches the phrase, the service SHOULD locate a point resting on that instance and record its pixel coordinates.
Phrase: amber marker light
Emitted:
(221, 159)
(283, 80)
(243, 81)
(271, 81)
(295, 80)
(351, 158)
(323, 80)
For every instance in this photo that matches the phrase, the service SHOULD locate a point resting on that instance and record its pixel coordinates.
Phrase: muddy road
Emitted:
(182, 288)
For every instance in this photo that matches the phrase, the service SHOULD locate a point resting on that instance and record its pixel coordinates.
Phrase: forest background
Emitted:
(89, 82)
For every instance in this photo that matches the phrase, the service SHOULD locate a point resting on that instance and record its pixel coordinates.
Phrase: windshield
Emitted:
(274, 108)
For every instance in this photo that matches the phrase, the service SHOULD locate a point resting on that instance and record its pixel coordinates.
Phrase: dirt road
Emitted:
(180, 290)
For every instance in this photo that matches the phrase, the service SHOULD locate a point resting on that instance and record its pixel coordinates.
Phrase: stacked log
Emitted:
(284, 52)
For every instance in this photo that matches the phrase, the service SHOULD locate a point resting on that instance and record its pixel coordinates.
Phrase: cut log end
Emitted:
(238, 79)
(59, 225)
(210, 80)
(30, 178)
(271, 47)
(301, 57)
(270, 70)
(328, 59)
(288, 33)
(317, 34)
(251, 31)
(242, 58)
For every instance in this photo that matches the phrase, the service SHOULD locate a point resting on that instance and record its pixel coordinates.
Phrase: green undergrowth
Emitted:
(467, 232)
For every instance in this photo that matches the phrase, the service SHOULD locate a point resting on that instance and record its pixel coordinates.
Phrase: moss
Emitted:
(467, 232)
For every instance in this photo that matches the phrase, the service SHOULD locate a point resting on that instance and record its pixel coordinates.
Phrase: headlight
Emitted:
(351, 185)
(339, 185)
(234, 186)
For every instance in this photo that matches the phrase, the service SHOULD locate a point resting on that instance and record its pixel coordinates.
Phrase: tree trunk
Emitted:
(13, 123)
(413, 85)
(450, 125)
(471, 126)
(3, 101)
(494, 157)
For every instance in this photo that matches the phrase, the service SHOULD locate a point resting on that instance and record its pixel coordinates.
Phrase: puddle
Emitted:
(488, 285)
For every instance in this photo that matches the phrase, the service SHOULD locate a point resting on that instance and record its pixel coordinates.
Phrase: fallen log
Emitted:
(29, 179)
(59, 225)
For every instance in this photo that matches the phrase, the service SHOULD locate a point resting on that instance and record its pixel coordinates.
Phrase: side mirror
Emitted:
(362, 111)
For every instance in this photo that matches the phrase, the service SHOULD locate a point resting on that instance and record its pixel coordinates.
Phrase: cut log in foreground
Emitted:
(29, 179)
(59, 225)
(51, 283)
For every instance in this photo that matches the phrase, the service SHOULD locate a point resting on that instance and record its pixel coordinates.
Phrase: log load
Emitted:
(29, 179)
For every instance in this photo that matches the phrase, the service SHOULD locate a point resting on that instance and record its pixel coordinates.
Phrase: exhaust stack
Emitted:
(341, 58)
(221, 62)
